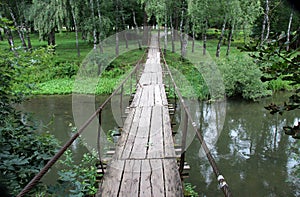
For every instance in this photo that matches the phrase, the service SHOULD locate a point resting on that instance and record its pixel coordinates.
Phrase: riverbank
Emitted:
(55, 70)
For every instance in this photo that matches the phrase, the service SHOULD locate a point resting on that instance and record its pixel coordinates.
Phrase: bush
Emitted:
(23, 150)
(242, 78)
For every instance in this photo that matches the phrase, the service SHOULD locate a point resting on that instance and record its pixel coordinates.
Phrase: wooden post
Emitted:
(183, 141)
(121, 103)
(98, 139)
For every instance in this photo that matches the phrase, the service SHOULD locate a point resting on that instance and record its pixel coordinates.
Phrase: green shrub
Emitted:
(23, 150)
(76, 179)
(242, 78)
(189, 190)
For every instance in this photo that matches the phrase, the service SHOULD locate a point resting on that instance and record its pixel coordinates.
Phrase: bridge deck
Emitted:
(144, 163)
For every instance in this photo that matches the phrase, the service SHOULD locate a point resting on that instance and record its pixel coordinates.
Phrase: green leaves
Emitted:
(23, 150)
(242, 78)
(76, 179)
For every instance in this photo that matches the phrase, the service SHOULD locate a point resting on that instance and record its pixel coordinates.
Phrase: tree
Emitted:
(276, 62)
(23, 149)
(49, 16)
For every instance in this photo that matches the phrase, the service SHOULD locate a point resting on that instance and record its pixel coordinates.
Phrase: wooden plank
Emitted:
(131, 178)
(159, 77)
(145, 186)
(169, 150)
(173, 185)
(140, 145)
(127, 128)
(144, 97)
(163, 95)
(156, 144)
(112, 179)
(150, 95)
(157, 95)
(137, 97)
(127, 148)
(158, 188)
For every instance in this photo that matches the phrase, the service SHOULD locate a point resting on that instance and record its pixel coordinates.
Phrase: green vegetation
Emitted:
(189, 190)
(24, 150)
(56, 36)
(76, 179)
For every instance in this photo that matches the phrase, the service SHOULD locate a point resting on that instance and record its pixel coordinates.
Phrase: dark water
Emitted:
(254, 155)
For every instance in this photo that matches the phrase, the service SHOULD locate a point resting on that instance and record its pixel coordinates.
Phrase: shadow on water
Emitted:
(251, 150)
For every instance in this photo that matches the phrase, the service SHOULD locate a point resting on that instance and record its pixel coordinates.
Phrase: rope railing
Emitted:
(97, 113)
(188, 117)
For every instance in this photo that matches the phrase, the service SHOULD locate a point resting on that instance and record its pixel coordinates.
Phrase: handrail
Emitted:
(54, 159)
(222, 183)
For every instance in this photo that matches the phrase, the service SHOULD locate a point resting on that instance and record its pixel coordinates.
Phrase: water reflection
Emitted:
(252, 152)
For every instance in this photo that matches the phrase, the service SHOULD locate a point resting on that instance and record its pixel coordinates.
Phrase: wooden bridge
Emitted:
(144, 163)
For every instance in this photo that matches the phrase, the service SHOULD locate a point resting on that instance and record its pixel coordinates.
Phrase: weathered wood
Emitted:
(173, 187)
(150, 95)
(144, 163)
(130, 137)
(131, 178)
(137, 97)
(112, 179)
(156, 143)
(145, 188)
(169, 150)
(141, 144)
(157, 95)
(158, 184)
(125, 132)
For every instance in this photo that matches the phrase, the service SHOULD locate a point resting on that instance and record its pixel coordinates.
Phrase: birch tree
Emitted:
(48, 16)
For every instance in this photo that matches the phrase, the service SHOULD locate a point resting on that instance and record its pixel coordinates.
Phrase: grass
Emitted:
(65, 46)
(66, 57)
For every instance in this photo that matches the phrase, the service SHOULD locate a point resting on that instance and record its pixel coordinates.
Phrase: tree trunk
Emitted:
(18, 28)
(76, 31)
(229, 39)
(28, 37)
(145, 27)
(204, 38)
(1, 37)
(136, 29)
(265, 21)
(289, 32)
(220, 39)
(181, 33)
(100, 24)
(94, 24)
(117, 28)
(193, 43)
(125, 32)
(172, 35)
(166, 35)
(10, 39)
(51, 38)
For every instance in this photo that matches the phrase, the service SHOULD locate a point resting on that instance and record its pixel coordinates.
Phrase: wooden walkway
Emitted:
(144, 163)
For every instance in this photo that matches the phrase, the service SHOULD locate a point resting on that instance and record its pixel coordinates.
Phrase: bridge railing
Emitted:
(132, 76)
(186, 119)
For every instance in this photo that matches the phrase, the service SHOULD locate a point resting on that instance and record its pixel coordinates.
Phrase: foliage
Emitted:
(23, 150)
(76, 179)
(192, 75)
(242, 78)
(278, 63)
(189, 190)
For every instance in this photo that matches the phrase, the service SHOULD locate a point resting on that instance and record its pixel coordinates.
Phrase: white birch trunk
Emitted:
(289, 32)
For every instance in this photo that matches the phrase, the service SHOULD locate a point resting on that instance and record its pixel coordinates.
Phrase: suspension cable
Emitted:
(54, 159)
(222, 183)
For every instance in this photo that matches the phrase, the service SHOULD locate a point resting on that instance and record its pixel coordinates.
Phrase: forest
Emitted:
(255, 45)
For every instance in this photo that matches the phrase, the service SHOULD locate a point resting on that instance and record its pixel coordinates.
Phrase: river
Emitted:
(251, 151)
